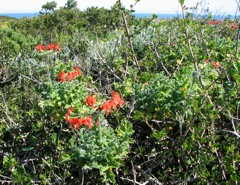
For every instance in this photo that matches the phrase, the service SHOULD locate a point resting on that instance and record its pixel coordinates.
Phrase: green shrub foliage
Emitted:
(100, 97)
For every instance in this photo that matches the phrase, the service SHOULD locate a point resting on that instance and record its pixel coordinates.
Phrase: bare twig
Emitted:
(129, 180)
(135, 61)
(5, 181)
(82, 177)
(221, 164)
(5, 177)
(6, 108)
(165, 69)
(229, 131)
(134, 174)
(30, 78)
(148, 177)
(232, 121)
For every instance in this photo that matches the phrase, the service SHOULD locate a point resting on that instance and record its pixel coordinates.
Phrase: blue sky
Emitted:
(144, 6)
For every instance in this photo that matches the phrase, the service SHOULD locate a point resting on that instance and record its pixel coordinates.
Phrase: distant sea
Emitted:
(138, 15)
(161, 16)
(20, 15)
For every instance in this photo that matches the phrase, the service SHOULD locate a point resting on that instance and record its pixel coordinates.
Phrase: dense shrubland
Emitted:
(99, 97)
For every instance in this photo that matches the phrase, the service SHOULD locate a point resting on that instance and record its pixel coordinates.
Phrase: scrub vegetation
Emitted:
(101, 97)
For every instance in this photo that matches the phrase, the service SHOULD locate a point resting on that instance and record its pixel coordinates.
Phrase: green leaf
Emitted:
(65, 157)
(27, 148)
(71, 141)
(181, 2)
(159, 135)
(54, 138)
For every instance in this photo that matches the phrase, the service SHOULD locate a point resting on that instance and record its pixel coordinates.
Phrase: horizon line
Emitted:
(132, 12)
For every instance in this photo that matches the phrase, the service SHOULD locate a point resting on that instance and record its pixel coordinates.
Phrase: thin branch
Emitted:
(34, 80)
(5, 177)
(154, 180)
(229, 131)
(144, 26)
(134, 174)
(135, 61)
(221, 164)
(103, 60)
(6, 112)
(5, 181)
(6, 80)
(135, 182)
(82, 177)
(232, 120)
(165, 69)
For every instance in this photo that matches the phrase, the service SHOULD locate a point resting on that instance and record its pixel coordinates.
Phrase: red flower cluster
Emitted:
(91, 100)
(215, 64)
(206, 61)
(76, 123)
(40, 47)
(215, 22)
(234, 26)
(68, 114)
(70, 75)
(54, 47)
(117, 98)
(61, 76)
(113, 103)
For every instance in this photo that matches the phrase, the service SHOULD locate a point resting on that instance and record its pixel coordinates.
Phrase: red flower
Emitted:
(215, 64)
(50, 47)
(211, 22)
(76, 122)
(70, 76)
(77, 70)
(106, 106)
(116, 97)
(66, 117)
(57, 48)
(234, 26)
(218, 22)
(70, 110)
(53, 47)
(40, 47)
(88, 122)
(61, 76)
(91, 100)
(206, 61)
(113, 104)
(215, 22)
(68, 113)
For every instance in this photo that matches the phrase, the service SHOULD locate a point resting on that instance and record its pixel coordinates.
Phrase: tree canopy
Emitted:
(48, 7)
